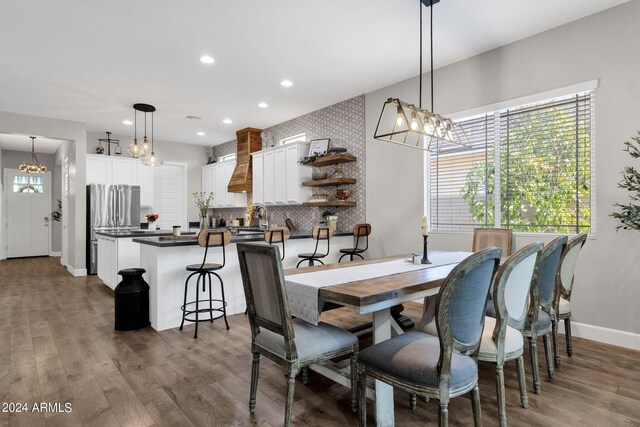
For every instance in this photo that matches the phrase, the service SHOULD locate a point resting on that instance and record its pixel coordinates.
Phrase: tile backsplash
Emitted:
(344, 124)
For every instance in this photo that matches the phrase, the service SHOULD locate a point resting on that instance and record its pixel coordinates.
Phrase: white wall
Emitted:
(194, 156)
(602, 46)
(76, 133)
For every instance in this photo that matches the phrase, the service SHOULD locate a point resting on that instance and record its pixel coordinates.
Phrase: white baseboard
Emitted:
(605, 335)
(77, 272)
(55, 253)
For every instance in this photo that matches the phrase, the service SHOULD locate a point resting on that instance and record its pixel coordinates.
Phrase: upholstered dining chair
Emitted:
(564, 287)
(292, 343)
(442, 366)
(541, 305)
(487, 237)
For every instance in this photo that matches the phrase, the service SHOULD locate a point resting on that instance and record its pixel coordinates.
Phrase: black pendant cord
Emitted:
(135, 125)
(431, 41)
(420, 96)
(151, 132)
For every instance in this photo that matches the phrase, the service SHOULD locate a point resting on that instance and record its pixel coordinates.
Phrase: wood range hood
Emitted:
(248, 141)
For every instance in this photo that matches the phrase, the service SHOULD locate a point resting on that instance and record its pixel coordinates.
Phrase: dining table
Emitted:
(368, 287)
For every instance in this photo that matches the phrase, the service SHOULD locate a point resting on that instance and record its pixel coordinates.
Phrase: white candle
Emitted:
(425, 226)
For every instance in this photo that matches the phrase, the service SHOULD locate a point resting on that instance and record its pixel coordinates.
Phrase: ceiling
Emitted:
(89, 61)
(23, 143)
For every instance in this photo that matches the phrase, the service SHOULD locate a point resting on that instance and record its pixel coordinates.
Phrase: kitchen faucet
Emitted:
(261, 214)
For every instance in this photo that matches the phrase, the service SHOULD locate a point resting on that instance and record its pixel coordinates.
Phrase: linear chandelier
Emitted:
(416, 127)
(34, 166)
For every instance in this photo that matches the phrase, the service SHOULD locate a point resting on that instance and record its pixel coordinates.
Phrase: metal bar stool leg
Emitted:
(210, 298)
(224, 301)
(184, 307)
(195, 335)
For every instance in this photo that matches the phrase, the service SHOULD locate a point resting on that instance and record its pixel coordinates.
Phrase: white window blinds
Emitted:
(529, 169)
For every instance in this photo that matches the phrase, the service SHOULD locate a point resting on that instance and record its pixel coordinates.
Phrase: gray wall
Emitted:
(195, 156)
(11, 159)
(602, 46)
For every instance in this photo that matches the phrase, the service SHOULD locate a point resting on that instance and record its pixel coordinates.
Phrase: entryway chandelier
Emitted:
(34, 166)
(405, 124)
(144, 150)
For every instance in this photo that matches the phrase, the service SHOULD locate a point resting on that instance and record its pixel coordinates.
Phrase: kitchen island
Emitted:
(117, 251)
(165, 262)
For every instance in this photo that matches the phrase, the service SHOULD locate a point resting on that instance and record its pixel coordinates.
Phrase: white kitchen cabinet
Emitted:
(218, 176)
(278, 175)
(98, 169)
(115, 254)
(209, 178)
(220, 194)
(111, 170)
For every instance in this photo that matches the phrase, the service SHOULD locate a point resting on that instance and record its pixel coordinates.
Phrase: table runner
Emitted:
(302, 289)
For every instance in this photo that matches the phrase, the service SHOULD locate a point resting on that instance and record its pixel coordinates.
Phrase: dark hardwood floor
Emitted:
(58, 345)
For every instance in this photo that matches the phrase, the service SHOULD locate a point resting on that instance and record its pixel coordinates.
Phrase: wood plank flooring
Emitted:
(57, 345)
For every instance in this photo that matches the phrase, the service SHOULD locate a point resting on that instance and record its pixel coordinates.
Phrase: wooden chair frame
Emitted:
(506, 233)
(564, 290)
(277, 235)
(448, 344)
(291, 363)
(318, 233)
(359, 230)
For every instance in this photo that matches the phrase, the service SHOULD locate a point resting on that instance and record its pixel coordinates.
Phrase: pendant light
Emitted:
(136, 149)
(405, 124)
(34, 166)
(152, 159)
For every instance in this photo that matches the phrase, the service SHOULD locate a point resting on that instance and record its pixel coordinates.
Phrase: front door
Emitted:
(28, 211)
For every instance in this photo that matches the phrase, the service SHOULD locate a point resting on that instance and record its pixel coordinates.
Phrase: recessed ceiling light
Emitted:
(286, 83)
(207, 59)
(227, 121)
(127, 122)
(263, 105)
(201, 133)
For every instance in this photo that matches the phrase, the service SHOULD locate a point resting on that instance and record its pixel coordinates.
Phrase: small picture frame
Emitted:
(319, 147)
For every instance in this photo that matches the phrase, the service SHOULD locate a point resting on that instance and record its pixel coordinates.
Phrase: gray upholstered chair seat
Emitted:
(311, 341)
(544, 324)
(564, 307)
(414, 357)
(513, 342)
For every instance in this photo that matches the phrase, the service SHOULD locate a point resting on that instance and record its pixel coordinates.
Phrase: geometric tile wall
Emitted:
(344, 124)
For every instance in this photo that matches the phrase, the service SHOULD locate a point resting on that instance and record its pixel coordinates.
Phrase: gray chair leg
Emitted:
(556, 348)
(354, 383)
(291, 387)
(475, 406)
(362, 397)
(255, 368)
(502, 404)
(305, 375)
(533, 349)
(567, 335)
(548, 353)
(522, 382)
(412, 400)
(443, 414)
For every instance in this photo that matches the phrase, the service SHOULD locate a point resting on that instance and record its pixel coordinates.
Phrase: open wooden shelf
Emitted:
(333, 159)
(330, 203)
(328, 182)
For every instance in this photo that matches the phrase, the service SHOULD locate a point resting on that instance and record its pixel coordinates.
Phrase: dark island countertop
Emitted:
(236, 238)
(139, 233)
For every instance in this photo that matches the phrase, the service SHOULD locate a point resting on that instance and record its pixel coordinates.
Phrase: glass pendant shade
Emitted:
(145, 148)
(134, 149)
(34, 166)
(153, 160)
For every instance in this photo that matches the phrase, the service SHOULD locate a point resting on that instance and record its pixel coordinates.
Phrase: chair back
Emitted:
(511, 288)
(264, 291)
(214, 238)
(543, 290)
(362, 230)
(488, 237)
(461, 302)
(568, 265)
(321, 233)
(277, 235)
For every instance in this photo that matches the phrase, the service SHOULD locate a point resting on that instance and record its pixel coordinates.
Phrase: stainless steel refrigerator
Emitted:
(114, 207)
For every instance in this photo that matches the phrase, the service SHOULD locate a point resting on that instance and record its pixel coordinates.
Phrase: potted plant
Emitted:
(151, 218)
(203, 202)
(629, 214)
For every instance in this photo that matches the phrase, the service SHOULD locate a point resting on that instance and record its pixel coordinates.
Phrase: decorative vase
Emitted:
(203, 223)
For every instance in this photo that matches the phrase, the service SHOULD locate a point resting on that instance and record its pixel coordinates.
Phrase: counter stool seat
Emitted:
(311, 254)
(206, 306)
(204, 267)
(352, 251)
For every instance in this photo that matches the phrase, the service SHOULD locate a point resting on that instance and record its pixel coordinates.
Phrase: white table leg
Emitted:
(384, 392)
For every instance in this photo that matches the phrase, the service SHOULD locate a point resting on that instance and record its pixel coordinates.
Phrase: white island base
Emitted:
(166, 275)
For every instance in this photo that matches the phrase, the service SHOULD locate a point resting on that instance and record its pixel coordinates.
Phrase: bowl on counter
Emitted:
(342, 194)
(318, 175)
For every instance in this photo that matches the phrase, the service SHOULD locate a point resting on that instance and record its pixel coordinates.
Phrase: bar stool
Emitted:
(277, 235)
(318, 233)
(359, 230)
(212, 238)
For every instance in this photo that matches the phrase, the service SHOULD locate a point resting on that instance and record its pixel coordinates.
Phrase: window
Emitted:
(28, 184)
(528, 168)
(231, 156)
(295, 138)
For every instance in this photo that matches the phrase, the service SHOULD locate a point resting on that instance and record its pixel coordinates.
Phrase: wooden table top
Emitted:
(380, 290)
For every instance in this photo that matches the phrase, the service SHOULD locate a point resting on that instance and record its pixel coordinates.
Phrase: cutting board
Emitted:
(189, 237)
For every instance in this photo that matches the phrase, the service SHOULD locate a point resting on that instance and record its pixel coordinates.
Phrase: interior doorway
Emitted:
(28, 207)
(170, 189)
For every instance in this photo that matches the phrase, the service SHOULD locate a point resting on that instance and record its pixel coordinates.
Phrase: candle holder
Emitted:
(425, 258)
